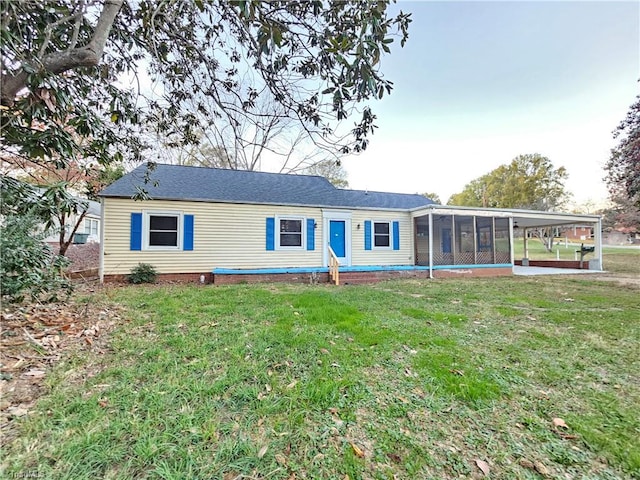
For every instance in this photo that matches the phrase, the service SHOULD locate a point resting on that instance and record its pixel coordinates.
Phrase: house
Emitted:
(577, 233)
(89, 229)
(222, 226)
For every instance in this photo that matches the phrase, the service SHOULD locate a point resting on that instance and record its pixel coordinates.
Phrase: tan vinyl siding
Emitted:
(225, 235)
(360, 256)
(234, 236)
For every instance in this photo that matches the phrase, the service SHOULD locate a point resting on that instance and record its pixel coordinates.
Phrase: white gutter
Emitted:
(101, 267)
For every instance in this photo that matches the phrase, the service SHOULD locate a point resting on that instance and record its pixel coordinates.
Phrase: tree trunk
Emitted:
(545, 235)
(66, 243)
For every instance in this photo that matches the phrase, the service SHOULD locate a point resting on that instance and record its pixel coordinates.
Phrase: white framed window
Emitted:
(291, 233)
(382, 235)
(91, 226)
(162, 230)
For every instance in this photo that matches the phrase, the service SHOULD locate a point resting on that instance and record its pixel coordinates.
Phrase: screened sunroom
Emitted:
(462, 240)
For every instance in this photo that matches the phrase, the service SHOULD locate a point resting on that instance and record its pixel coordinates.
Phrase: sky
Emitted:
(479, 83)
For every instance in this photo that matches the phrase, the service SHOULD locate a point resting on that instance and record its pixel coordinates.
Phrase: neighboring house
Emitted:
(615, 237)
(90, 225)
(578, 233)
(226, 226)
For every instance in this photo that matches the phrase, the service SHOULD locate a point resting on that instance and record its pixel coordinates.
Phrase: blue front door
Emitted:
(336, 237)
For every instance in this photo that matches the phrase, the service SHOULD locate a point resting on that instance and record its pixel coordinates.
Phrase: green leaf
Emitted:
(276, 35)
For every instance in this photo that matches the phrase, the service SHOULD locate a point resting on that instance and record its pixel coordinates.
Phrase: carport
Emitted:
(527, 220)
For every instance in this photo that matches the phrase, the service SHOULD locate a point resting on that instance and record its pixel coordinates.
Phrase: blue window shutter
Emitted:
(136, 232)
(396, 235)
(187, 241)
(367, 234)
(311, 234)
(271, 233)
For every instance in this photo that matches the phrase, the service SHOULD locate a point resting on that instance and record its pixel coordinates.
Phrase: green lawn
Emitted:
(410, 379)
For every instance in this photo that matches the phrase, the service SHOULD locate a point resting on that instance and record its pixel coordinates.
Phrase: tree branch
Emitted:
(58, 62)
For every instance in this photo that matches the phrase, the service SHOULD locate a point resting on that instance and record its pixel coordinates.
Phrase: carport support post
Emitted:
(512, 241)
(597, 243)
(430, 244)
(526, 243)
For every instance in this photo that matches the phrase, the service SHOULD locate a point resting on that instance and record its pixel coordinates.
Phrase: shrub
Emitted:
(143, 273)
(29, 267)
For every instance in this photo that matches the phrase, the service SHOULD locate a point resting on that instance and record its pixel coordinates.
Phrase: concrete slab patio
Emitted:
(527, 271)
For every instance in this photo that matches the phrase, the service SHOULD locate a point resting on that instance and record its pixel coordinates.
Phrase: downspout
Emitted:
(101, 266)
(431, 244)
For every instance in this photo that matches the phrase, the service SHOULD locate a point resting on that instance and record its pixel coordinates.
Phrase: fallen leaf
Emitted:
(35, 373)
(292, 384)
(324, 351)
(526, 464)
(18, 364)
(394, 457)
(88, 340)
(103, 403)
(559, 423)
(262, 451)
(281, 459)
(457, 372)
(484, 466)
(357, 450)
(540, 468)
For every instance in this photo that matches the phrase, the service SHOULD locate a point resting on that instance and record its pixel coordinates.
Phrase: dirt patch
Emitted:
(632, 280)
(82, 256)
(35, 337)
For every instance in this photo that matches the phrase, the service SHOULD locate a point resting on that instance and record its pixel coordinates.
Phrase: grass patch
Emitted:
(413, 379)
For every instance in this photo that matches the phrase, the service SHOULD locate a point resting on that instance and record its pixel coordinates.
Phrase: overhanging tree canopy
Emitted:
(63, 61)
(623, 167)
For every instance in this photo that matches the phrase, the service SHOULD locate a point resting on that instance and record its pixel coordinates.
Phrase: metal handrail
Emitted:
(334, 264)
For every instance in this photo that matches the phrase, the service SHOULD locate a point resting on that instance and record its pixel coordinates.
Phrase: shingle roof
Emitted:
(176, 182)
